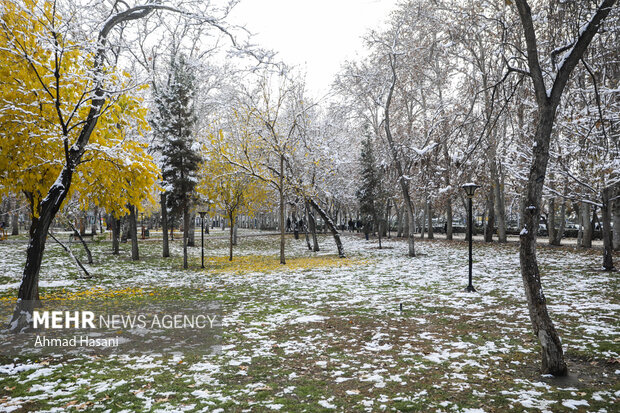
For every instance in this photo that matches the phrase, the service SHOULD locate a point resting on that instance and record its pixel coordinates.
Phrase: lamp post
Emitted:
(202, 237)
(470, 188)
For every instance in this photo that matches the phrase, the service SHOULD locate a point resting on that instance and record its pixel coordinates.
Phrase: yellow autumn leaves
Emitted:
(45, 98)
(231, 191)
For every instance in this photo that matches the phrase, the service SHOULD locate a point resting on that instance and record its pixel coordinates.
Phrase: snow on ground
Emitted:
(336, 338)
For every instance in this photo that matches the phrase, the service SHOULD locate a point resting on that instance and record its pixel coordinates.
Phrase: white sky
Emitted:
(316, 35)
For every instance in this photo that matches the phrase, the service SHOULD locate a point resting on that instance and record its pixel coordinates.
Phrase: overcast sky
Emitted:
(317, 35)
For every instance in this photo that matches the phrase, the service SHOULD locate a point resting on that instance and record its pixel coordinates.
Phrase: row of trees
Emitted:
(113, 117)
(524, 103)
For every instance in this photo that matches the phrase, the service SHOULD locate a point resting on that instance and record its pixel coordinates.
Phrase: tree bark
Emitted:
(232, 226)
(28, 294)
(497, 178)
(185, 235)
(328, 221)
(164, 225)
(608, 262)
(399, 221)
(552, 353)
(449, 235)
(616, 218)
(423, 227)
(431, 233)
(191, 236)
(93, 227)
(312, 227)
(82, 223)
(306, 227)
(586, 241)
(559, 233)
(282, 222)
(133, 229)
(116, 233)
(551, 221)
(15, 217)
(489, 227)
(125, 229)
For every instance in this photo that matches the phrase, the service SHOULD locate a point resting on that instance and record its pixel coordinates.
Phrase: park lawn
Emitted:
(324, 334)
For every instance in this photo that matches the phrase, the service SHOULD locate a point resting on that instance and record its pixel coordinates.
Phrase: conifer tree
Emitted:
(173, 124)
(370, 194)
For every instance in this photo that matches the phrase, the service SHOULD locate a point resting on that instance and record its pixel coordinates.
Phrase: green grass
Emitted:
(298, 366)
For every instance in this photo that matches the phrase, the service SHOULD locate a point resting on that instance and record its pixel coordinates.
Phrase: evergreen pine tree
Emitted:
(173, 125)
(370, 194)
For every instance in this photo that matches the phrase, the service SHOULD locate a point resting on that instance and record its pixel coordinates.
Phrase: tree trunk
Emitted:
(552, 354)
(431, 234)
(608, 262)
(559, 234)
(306, 227)
(328, 221)
(125, 229)
(232, 226)
(15, 217)
(551, 221)
(28, 294)
(164, 225)
(423, 226)
(191, 237)
(500, 204)
(133, 229)
(411, 230)
(387, 219)
(312, 227)
(489, 228)
(185, 234)
(586, 241)
(83, 223)
(449, 219)
(282, 222)
(93, 228)
(579, 213)
(116, 234)
(399, 221)
(616, 218)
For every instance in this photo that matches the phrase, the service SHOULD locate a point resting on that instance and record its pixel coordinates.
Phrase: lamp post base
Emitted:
(470, 289)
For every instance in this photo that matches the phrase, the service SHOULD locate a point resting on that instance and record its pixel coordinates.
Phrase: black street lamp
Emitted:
(470, 188)
(202, 237)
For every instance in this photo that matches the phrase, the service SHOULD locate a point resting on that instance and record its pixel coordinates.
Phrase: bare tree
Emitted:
(547, 100)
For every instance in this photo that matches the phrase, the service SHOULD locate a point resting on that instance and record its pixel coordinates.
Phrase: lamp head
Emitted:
(470, 188)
